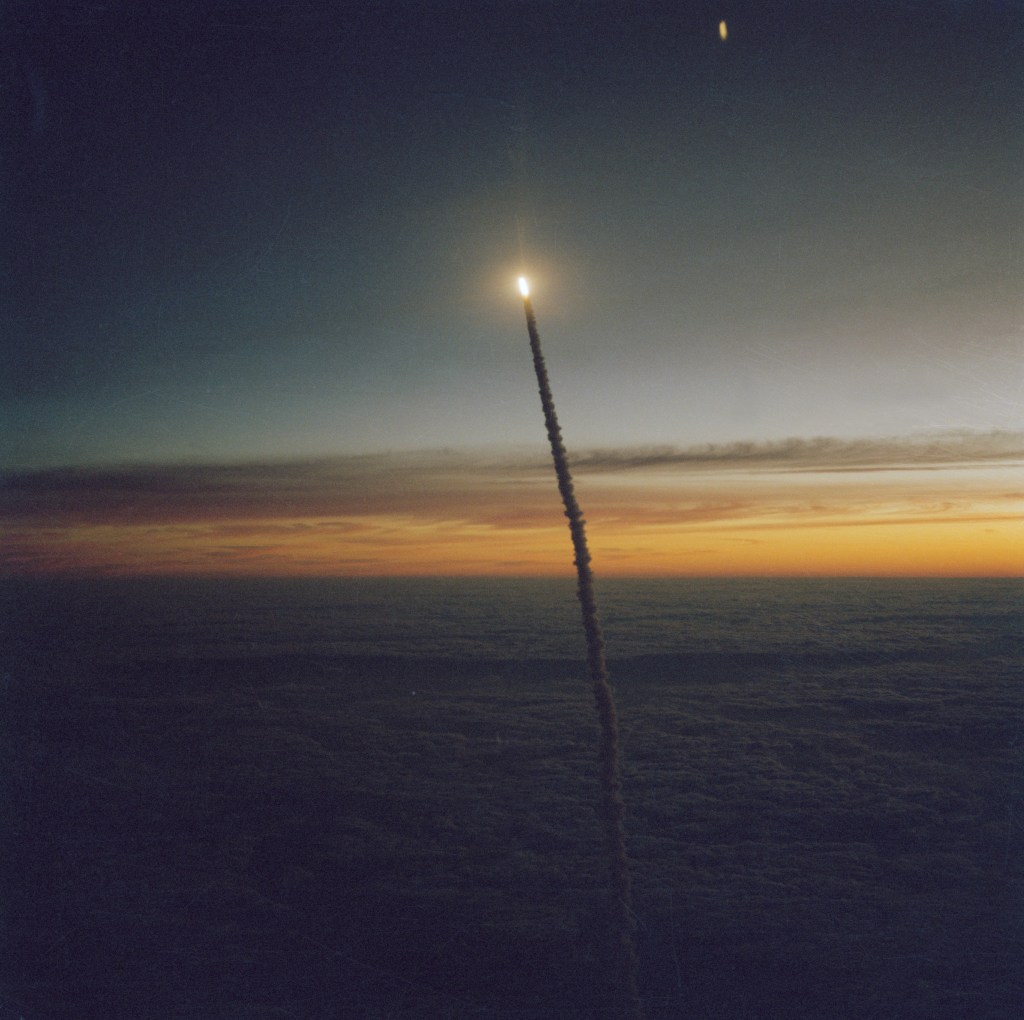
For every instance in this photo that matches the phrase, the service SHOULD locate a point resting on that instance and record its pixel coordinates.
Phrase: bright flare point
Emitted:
(524, 287)
(723, 31)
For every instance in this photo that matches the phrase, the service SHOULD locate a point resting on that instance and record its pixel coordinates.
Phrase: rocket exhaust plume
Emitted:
(608, 756)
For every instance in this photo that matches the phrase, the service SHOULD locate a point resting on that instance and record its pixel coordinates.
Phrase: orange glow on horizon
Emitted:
(747, 511)
(393, 546)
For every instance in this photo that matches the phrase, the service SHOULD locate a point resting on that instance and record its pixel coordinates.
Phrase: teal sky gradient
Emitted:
(258, 235)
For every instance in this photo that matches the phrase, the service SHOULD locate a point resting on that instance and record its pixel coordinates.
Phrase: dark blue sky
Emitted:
(259, 230)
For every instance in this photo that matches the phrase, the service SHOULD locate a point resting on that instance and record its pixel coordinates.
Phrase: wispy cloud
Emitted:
(649, 509)
(441, 483)
(293, 488)
(949, 449)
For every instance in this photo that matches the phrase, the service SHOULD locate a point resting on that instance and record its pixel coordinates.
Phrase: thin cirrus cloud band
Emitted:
(949, 503)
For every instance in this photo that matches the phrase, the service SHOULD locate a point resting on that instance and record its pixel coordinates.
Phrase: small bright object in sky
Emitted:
(524, 287)
(723, 31)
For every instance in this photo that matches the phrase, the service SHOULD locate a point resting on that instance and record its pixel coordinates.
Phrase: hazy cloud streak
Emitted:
(439, 483)
(434, 511)
(949, 449)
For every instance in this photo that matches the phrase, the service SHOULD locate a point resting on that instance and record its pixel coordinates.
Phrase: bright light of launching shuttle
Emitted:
(723, 31)
(524, 287)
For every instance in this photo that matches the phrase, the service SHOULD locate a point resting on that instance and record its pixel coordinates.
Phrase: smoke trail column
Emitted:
(608, 757)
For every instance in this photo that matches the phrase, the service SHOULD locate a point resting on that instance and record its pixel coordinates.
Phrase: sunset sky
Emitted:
(259, 286)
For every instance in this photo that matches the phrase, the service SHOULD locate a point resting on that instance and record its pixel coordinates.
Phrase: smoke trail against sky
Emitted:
(608, 757)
